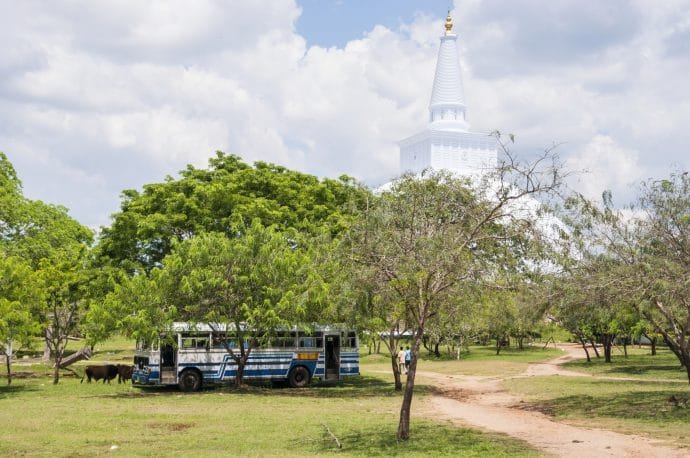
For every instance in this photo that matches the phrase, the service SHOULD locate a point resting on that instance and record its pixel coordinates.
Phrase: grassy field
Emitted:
(639, 365)
(73, 419)
(480, 361)
(639, 406)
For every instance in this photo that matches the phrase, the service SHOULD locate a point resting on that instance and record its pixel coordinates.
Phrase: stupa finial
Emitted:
(449, 24)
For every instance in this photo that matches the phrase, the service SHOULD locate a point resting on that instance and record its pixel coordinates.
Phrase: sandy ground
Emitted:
(481, 402)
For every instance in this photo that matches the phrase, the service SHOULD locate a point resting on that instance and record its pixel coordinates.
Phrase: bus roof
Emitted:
(223, 327)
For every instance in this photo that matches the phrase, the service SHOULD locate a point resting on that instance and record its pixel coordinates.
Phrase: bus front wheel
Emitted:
(298, 377)
(190, 380)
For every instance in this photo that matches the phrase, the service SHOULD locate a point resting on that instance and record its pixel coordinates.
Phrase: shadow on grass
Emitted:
(648, 405)
(635, 366)
(426, 439)
(644, 369)
(13, 390)
(362, 386)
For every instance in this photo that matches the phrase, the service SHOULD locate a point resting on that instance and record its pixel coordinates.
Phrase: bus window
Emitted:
(283, 339)
(351, 339)
(198, 343)
(307, 342)
(311, 341)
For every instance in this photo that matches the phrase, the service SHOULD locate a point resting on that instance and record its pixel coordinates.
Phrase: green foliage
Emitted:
(32, 230)
(43, 238)
(213, 199)
(18, 298)
(260, 277)
(633, 265)
(246, 284)
(65, 279)
(428, 240)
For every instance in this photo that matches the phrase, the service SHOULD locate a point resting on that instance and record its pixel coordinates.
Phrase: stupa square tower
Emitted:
(447, 142)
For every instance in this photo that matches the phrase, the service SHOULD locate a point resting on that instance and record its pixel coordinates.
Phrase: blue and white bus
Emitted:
(192, 355)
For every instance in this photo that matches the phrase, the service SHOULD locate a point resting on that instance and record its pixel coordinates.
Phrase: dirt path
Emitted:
(480, 401)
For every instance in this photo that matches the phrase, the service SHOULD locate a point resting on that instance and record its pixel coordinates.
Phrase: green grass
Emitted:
(639, 364)
(629, 406)
(73, 419)
(481, 361)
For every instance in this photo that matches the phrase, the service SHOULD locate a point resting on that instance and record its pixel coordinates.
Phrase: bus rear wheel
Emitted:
(190, 380)
(298, 377)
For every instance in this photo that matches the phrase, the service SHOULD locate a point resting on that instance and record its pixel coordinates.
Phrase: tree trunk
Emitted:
(687, 366)
(8, 357)
(392, 347)
(594, 347)
(56, 372)
(241, 365)
(436, 352)
(239, 374)
(396, 372)
(625, 347)
(584, 347)
(404, 425)
(673, 347)
(607, 343)
(499, 341)
(652, 343)
(48, 338)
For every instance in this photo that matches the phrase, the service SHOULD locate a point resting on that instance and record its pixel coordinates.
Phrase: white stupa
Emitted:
(447, 143)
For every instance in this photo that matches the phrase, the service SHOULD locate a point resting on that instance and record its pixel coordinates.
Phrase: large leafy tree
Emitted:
(209, 200)
(31, 229)
(49, 241)
(245, 286)
(426, 237)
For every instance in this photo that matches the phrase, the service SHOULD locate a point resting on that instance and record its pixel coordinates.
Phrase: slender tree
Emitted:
(65, 279)
(18, 298)
(425, 236)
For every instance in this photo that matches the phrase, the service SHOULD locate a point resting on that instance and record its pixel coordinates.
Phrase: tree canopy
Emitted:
(211, 199)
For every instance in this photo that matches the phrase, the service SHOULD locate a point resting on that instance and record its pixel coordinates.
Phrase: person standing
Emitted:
(408, 355)
(401, 361)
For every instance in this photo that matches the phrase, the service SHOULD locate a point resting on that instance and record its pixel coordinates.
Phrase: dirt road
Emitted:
(481, 402)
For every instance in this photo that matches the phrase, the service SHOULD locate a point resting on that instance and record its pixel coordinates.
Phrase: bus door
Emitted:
(168, 362)
(332, 356)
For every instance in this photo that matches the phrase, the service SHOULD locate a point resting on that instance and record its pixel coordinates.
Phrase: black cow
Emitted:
(107, 372)
(124, 373)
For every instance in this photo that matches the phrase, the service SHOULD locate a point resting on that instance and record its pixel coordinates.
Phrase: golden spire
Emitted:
(449, 24)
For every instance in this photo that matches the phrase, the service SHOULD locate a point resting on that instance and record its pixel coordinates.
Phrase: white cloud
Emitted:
(603, 165)
(128, 92)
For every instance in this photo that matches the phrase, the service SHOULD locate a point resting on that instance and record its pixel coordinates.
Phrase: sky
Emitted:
(101, 96)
